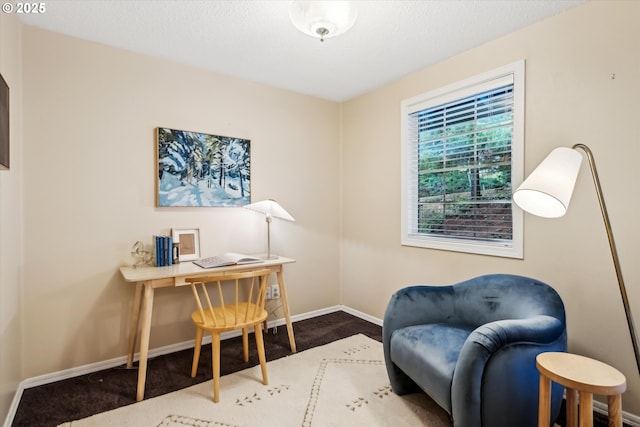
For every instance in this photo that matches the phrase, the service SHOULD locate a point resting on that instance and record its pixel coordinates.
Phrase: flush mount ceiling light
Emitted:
(323, 19)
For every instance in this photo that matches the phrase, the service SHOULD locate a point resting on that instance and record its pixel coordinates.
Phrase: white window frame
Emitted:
(449, 93)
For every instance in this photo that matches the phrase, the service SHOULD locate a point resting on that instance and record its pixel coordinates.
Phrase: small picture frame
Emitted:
(188, 240)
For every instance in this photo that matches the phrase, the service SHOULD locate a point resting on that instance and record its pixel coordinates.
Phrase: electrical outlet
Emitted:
(268, 293)
(273, 292)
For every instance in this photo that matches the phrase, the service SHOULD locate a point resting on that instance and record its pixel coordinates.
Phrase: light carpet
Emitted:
(343, 383)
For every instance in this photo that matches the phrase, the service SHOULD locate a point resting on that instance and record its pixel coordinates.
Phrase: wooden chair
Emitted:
(244, 307)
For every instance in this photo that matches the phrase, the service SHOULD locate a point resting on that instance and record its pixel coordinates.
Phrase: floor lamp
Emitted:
(547, 193)
(271, 209)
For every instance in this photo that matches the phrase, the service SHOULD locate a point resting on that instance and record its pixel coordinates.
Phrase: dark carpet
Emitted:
(51, 404)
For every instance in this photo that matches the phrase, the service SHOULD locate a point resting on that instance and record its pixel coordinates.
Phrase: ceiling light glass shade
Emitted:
(547, 191)
(323, 19)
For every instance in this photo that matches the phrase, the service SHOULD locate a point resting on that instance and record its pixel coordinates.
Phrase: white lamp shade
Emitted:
(312, 17)
(547, 191)
(270, 208)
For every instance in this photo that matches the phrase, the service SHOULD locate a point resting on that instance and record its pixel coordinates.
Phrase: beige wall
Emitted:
(570, 98)
(89, 117)
(11, 222)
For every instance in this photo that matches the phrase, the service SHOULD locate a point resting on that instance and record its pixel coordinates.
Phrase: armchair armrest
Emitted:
(413, 305)
(525, 337)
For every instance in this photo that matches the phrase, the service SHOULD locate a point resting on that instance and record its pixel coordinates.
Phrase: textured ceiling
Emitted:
(255, 40)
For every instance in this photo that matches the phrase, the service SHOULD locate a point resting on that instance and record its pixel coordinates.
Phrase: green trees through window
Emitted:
(462, 153)
(464, 166)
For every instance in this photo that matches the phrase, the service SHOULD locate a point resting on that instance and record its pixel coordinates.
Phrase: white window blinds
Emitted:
(458, 165)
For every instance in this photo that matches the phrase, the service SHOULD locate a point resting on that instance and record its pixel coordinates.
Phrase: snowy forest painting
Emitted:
(196, 169)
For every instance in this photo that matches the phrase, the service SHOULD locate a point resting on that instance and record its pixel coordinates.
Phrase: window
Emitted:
(462, 154)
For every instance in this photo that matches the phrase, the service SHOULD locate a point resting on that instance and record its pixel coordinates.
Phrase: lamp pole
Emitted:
(268, 219)
(614, 251)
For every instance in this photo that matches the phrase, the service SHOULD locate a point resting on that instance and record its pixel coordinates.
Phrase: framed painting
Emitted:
(188, 240)
(197, 169)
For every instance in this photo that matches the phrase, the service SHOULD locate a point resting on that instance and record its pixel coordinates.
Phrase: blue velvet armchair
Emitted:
(472, 347)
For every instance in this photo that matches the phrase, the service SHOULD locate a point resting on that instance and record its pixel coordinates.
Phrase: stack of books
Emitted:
(163, 248)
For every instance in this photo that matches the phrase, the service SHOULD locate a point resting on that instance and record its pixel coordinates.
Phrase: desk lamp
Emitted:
(547, 193)
(271, 209)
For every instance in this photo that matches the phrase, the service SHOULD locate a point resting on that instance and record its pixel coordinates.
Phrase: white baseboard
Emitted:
(630, 419)
(361, 315)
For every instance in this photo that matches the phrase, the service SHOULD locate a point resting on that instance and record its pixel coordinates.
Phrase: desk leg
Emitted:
(285, 307)
(135, 319)
(147, 309)
(544, 405)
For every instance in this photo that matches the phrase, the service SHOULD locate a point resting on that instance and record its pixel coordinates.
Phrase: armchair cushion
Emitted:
(443, 343)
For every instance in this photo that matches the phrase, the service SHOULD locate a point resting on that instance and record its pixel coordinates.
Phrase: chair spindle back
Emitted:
(249, 297)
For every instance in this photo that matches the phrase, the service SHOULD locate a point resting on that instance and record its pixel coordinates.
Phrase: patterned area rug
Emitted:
(343, 383)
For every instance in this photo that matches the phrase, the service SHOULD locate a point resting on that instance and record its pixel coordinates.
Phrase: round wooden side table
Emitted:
(579, 374)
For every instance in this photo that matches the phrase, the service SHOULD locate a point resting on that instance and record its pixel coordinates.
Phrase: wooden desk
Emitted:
(147, 279)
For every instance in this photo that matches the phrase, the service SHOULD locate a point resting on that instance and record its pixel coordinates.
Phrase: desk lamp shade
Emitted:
(547, 191)
(271, 209)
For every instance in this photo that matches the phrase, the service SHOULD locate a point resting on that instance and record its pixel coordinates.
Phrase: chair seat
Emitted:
(226, 319)
(428, 354)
